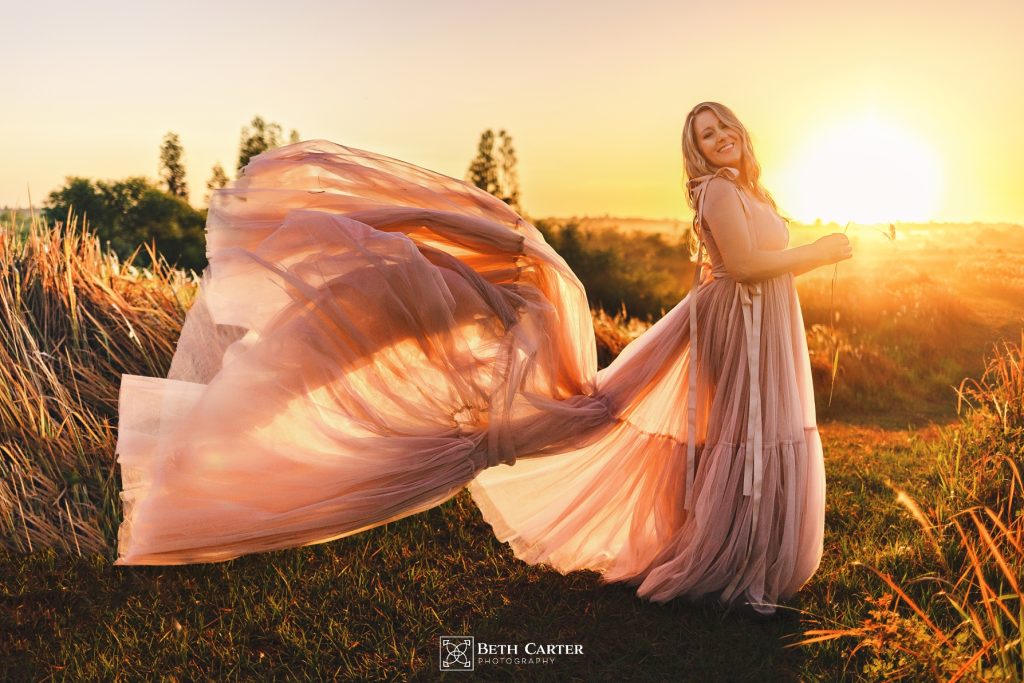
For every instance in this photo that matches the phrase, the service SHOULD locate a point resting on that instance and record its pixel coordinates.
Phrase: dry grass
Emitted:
(72, 319)
(614, 332)
(965, 623)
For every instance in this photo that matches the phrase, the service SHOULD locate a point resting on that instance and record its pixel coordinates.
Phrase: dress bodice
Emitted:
(768, 231)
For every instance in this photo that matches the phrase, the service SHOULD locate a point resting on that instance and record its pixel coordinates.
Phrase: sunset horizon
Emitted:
(897, 128)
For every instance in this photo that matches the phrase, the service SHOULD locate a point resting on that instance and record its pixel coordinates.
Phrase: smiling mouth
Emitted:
(726, 148)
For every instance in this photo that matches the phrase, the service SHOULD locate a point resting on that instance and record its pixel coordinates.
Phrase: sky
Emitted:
(866, 111)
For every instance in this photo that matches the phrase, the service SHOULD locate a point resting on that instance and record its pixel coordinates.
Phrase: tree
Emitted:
(483, 170)
(261, 137)
(494, 171)
(509, 176)
(127, 213)
(218, 180)
(78, 193)
(171, 168)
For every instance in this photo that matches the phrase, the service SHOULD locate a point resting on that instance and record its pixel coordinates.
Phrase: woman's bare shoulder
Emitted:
(722, 189)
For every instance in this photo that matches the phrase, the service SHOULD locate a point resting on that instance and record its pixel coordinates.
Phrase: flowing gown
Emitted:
(371, 337)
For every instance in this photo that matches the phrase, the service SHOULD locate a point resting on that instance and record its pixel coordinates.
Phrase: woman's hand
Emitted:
(833, 248)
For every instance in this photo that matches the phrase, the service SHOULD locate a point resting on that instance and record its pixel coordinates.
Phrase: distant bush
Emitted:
(640, 272)
(908, 331)
(128, 213)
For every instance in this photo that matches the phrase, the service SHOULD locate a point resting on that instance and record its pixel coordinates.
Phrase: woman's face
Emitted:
(719, 145)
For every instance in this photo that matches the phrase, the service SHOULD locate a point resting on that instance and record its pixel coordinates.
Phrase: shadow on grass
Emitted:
(371, 606)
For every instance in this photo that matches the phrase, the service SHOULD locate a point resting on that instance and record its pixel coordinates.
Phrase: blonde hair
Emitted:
(696, 165)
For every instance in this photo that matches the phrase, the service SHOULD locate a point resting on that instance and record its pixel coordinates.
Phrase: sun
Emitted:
(862, 170)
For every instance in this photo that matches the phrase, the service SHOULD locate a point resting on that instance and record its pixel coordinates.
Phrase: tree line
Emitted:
(127, 213)
(259, 138)
(639, 273)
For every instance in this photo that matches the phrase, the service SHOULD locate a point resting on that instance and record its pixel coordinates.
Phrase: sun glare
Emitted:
(864, 171)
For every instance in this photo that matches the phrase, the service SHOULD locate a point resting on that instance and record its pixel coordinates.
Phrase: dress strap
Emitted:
(750, 297)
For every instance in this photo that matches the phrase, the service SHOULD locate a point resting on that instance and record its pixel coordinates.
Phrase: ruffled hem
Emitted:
(696, 556)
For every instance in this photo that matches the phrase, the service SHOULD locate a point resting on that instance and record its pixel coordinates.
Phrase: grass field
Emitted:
(372, 606)
(907, 590)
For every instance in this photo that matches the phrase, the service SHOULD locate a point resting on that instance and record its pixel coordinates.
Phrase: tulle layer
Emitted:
(353, 356)
(666, 553)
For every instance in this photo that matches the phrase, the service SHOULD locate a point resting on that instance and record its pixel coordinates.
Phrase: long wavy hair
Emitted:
(696, 165)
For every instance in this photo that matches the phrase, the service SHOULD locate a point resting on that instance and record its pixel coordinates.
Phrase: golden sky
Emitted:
(863, 111)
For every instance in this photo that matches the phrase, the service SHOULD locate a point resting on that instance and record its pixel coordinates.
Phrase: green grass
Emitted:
(373, 605)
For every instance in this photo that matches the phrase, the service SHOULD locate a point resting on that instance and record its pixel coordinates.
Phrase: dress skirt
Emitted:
(371, 337)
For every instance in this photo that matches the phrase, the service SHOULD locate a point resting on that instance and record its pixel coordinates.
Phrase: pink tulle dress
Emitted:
(371, 337)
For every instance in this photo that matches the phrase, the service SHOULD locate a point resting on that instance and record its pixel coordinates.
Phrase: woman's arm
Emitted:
(728, 223)
(805, 268)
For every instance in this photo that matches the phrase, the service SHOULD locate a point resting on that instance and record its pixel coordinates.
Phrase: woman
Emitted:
(753, 346)
(371, 337)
